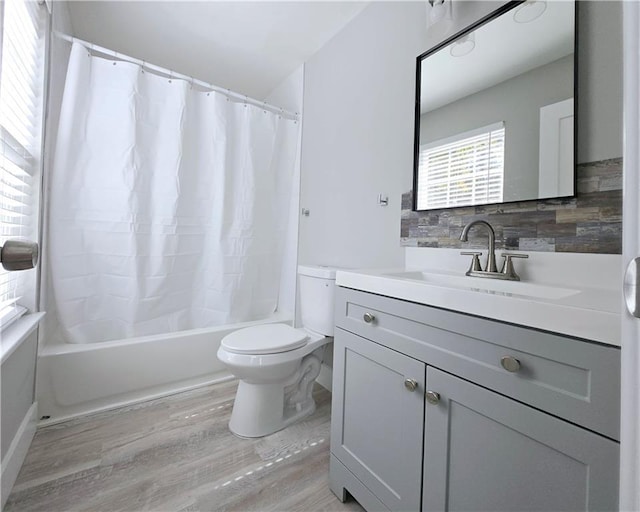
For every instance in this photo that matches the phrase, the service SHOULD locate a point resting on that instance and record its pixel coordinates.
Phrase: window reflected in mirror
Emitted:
(467, 168)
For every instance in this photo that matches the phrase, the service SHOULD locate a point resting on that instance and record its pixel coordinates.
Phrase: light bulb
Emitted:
(438, 12)
(439, 19)
(529, 11)
(463, 46)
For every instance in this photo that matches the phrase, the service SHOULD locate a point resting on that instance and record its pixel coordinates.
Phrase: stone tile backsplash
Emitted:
(588, 223)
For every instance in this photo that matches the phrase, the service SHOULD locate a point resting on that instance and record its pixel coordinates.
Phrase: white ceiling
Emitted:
(248, 47)
(504, 49)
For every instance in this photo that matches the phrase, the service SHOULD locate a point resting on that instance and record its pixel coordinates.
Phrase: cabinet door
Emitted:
(484, 451)
(377, 422)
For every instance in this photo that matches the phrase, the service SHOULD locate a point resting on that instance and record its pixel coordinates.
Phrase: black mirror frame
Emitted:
(417, 113)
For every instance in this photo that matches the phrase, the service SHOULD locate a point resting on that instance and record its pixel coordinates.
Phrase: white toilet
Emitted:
(277, 364)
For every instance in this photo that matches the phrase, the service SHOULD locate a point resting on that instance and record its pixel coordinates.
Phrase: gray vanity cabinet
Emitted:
(376, 429)
(426, 415)
(484, 451)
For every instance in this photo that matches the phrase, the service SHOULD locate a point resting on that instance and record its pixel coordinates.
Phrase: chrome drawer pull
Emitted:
(368, 318)
(510, 363)
(411, 384)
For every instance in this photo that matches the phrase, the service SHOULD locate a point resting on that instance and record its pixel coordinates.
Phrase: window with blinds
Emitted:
(463, 170)
(21, 93)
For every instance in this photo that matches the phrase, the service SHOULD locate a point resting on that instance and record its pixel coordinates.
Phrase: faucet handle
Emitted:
(507, 267)
(514, 255)
(475, 262)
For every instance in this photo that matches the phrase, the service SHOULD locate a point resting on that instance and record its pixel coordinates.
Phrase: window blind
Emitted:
(21, 92)
(463, 170)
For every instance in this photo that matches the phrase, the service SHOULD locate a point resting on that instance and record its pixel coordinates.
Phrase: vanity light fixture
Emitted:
(438, 10)
(439, 18)
(529, 11)
(463, 46)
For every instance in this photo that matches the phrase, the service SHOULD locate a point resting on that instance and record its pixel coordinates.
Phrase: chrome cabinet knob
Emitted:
(411, 384)
(432, 397)
(510, 363)
(369, 318)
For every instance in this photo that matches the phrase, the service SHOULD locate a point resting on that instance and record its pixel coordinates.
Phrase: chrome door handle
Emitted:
(631, 288)
(19, 255)
(368, 318)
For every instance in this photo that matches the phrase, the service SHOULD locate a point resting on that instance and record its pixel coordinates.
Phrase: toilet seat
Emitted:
(265, 339)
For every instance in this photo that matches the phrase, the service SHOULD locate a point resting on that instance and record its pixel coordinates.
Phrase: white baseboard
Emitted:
(326, 376)
(17, 452)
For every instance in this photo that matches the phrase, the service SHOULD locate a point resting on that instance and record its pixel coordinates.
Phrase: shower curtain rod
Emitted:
(145, 65)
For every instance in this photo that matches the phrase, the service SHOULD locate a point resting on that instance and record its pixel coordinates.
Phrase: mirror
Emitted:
(495, 110)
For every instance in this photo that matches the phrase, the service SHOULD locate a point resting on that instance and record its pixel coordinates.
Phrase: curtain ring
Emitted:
(142, 67)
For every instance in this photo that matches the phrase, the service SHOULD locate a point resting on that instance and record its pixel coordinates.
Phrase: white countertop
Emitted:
(588, 313)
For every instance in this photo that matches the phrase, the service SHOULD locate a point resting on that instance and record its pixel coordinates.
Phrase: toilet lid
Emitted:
(264, 339)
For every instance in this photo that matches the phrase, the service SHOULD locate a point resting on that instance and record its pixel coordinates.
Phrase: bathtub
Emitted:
(74, 380)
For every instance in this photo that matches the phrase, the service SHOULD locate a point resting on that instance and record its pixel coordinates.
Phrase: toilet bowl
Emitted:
(275, 388)
(277, 364)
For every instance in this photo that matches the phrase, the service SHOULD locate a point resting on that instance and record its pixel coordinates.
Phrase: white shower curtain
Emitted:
(168, 205)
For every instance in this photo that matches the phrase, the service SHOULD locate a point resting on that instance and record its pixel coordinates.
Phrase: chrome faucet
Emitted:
(490, 270)
(491, 258)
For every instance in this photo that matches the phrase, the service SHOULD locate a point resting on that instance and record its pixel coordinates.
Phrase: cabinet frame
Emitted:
(457, 355)
(573, 379)
(557, 440)
(392, 471)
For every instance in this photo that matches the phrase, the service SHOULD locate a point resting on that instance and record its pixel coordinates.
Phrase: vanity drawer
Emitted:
(571, 378)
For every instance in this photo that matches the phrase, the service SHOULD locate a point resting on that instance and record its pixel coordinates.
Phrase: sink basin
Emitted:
(486, 285)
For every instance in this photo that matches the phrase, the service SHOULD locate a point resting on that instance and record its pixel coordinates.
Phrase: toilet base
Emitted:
(262, 409)
(253, 412)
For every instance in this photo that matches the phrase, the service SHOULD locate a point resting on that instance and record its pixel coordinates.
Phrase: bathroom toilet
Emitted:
(278, 364)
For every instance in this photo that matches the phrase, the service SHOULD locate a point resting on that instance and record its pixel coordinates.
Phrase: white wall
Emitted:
(599, 81)
(357, 141)
(18, 419)
(289, 96)
(18, 374)
(357, 137)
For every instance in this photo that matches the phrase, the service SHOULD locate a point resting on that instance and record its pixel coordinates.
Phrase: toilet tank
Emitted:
(317, 287)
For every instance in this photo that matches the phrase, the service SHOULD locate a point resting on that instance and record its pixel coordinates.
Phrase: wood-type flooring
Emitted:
(177, 454)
